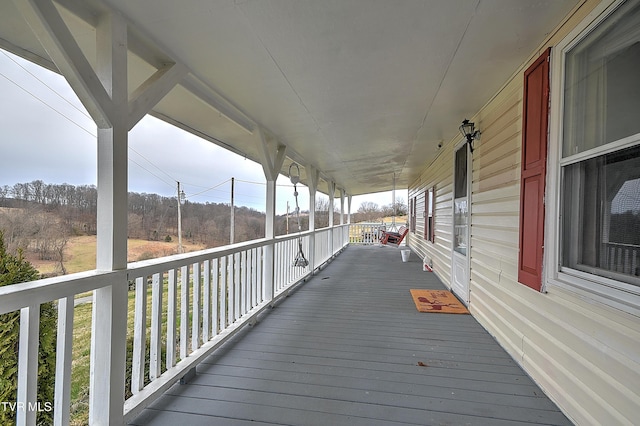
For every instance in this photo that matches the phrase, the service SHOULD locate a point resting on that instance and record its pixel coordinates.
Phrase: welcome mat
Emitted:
(437, 301)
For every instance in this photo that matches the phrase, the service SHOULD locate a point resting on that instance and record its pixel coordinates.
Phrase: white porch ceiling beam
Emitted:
(149, 93)
(54, 35)
(271, 157)
(224, 107)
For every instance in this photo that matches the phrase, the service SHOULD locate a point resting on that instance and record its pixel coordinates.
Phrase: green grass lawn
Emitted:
(82, 357)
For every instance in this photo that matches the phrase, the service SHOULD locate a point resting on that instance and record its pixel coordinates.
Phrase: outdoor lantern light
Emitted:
(468, 130)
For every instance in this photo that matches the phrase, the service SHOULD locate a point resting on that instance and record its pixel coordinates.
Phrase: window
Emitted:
(602, 90)
(601, 215)
(429, 217)
(412, 225)
(600, 154)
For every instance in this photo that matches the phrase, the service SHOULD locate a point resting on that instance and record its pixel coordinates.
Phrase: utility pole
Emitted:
(233, 216)
(180, 198)
(287, 217)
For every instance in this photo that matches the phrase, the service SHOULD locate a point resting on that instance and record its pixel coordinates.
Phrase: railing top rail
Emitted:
(17, 296)
(613, 243)
(178, 260)
(175, 261)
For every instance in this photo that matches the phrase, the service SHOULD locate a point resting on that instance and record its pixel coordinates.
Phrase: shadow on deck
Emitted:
(347, 348)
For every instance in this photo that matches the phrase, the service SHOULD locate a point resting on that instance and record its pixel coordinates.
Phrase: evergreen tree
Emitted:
(15, 269)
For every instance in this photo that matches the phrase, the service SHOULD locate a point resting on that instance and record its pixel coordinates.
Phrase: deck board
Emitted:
(345, 348)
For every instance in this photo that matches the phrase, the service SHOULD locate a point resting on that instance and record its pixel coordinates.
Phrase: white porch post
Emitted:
(109, 325)
(272, 160)
(332, 190)
(312, 179)
(104, 93)
(341, 206)
(349, 209)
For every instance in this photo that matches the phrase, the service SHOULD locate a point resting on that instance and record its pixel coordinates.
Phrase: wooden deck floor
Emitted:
(345, 349)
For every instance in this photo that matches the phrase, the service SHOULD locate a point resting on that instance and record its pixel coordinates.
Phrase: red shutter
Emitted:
(532, 180)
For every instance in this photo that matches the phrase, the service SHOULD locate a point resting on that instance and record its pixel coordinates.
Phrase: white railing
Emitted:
(196, 301)
(322, 247)
(366, 233)
(621, 258)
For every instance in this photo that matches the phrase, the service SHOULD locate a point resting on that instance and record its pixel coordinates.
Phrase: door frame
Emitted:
(465, 296)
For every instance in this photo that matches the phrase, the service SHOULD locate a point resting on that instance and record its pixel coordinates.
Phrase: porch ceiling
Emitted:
(360, 89)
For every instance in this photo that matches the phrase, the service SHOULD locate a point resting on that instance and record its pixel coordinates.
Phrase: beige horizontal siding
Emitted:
(584, 354)
(438, 176)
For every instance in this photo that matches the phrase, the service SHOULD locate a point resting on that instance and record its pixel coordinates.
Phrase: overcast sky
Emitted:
(46, 134)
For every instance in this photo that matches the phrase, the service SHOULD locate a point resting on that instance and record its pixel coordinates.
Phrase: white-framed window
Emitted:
(595, 143)
(429, 214)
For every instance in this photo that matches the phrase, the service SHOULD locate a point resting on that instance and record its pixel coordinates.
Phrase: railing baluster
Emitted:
(206, 302)
(280, 265)
(285, 263)
(172, 308)
(155, 351)
(259, 269)
(627, 261)
(62, 399)
(246, 289)
(237, 284)
(223, 293)
(254, 274)
(28, 365)
(248, 273)
(215, 300)
(195, 314)
(231, 316)
(254, 277)
(184, 312)
(288, 263)
(240, 286)
(139, 336)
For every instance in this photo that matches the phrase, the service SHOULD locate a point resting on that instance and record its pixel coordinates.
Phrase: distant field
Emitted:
(80, 253)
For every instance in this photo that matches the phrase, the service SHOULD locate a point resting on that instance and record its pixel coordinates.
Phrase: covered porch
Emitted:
(349, 347)
(363, 96)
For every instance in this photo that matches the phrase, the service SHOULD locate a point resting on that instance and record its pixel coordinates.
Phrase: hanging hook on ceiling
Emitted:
(295, 179)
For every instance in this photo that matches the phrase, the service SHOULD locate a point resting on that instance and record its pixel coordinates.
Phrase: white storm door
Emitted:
(461, 219)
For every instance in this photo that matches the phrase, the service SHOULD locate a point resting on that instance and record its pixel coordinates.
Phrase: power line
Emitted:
(172, 178)
(208, 189)
(150, 172)
(264, 183)
(82, 112)
(45, 84)
(158, 168)
(46, 104)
